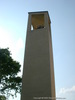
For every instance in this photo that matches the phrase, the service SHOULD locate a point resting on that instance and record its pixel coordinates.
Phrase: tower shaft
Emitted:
(38, 74)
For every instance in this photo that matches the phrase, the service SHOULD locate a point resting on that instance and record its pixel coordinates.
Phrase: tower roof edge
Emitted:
(37, 12)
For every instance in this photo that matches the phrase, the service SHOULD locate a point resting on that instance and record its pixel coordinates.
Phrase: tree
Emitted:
(9, 68)
(2, 97)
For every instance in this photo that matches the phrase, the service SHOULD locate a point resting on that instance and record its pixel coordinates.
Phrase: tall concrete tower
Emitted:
(38, 73)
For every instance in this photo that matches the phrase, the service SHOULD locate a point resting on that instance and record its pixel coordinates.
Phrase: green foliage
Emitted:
(9, 68)
(2, 97)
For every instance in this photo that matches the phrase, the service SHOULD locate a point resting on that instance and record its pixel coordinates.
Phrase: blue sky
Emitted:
(13, 26)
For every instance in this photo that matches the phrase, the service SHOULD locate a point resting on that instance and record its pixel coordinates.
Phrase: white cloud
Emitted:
(16, 48)
(7, 40)
(67, 90)
(19, 44)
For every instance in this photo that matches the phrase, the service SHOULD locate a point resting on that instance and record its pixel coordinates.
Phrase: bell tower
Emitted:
(38, 74)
